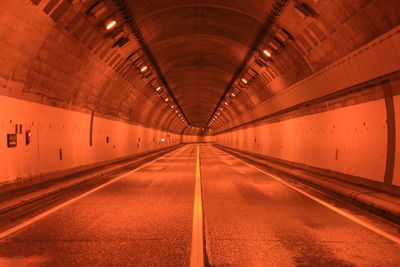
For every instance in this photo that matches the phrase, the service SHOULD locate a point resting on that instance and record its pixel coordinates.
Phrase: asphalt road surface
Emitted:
(249, 219)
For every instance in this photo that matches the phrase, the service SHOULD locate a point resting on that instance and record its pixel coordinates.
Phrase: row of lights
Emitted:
(158, 89)
(280, 37)
(110, 25)
(245, 82)
(198, 128)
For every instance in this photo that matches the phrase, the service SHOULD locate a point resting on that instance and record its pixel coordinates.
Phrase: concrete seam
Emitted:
(391, 133)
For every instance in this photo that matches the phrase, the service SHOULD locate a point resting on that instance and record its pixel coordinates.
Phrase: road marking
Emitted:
(56, 208)
(326, 204)
(197, 253)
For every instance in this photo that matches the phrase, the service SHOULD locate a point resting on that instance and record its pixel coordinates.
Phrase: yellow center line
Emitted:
(197, 256)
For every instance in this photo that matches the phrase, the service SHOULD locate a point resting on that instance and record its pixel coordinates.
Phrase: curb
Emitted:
(93, 178)
(386, 203)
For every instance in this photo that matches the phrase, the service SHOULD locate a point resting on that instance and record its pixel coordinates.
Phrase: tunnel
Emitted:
(200, 133)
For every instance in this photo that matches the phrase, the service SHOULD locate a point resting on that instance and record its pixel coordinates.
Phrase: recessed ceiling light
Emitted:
(111, 25)
(244, 80)
(144, 68)
(158, 88)
(267, 53)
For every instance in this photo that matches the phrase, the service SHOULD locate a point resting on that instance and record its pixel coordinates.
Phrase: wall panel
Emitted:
(60, 139)
(350, 140)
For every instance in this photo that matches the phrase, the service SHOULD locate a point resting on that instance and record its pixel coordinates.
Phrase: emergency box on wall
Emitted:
(11, 140)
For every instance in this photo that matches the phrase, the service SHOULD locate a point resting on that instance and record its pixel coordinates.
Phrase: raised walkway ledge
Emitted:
(383, 201)
(18, 197)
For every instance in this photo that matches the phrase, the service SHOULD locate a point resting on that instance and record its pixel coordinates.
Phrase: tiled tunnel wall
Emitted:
(53, 74)
(350, 140)
(61, 140)
(55, 56)
(353, 130)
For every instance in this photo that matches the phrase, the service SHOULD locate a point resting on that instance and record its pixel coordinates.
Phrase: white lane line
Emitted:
(56, 208)
(197, 256)
(326, 204)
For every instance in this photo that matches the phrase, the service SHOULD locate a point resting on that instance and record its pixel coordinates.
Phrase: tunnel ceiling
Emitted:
(199, 45)
(186, 66)
(205, 49)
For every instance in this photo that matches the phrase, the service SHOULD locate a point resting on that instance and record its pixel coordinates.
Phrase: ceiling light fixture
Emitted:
(267, 53)
(244, 80)
(111, 25)
(143, 69)
(158, 88)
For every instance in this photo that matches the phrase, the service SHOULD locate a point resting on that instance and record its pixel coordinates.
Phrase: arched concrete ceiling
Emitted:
(199, 45)
(198, 52)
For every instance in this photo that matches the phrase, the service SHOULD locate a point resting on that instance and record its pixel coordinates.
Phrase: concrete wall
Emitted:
(350, 140)
(396, 171)
(54, 129)
(351, 126)
(353, 139)
(375, 59)
(61, 58)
